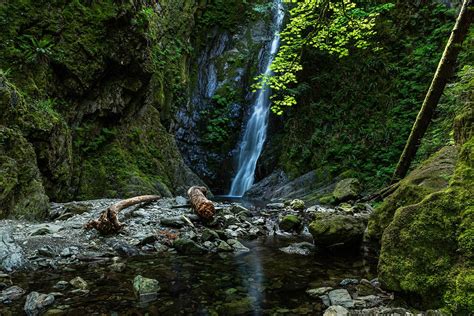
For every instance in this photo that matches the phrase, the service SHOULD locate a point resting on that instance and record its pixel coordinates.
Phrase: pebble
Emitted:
(79, 283)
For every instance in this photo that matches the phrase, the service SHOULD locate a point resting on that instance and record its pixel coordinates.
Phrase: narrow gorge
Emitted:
(236, 157)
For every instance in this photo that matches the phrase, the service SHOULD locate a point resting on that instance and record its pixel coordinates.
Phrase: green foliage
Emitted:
(89, 139)
(217, 119)
(356, 112)
(34, 50)
(330, 26)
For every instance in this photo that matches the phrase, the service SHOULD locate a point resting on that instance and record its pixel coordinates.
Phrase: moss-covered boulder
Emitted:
(428, 248)
(291, 223)
(347, 189)
(431, 176)
(21, 191)
(337, 231)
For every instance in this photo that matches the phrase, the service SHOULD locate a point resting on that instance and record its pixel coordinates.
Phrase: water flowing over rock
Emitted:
(255, 133)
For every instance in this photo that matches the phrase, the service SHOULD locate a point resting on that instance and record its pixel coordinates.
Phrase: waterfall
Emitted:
(256, 130)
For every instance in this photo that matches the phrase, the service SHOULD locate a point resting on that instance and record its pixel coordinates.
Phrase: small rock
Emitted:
(223, 246)
(69, 251)
(10, 294)
(174, 222)
(239, 209)
(141, 213)
(276, 205)
(46, 251)
(341, 297)
(347, 189)
(125, 250)
(302, 248)
(36, 303)
(45, 229)
(159, 247)
(371, 300)
(297, 204)
(145, 289)
(61, 285)
(11, 255)
(79, 283)
(318, 292)
(347, 282)
(336, 311)
(237, 245)
(118, 267)
(209, 235)
(187, 246)
(325, 299)
(180, 200)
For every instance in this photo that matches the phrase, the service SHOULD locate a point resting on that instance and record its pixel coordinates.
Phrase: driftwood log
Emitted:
(201, 205)
(108, 222)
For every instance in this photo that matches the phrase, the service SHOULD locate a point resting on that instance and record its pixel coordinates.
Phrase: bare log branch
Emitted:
(201, 205)
(108, 222)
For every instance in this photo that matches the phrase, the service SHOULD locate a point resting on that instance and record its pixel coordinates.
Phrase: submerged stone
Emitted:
(145, 289)
(36, 303)
(187, 246)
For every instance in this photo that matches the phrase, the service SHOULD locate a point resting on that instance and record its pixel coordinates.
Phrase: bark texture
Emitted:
(108, 222)
(444, 71)
(201, 205)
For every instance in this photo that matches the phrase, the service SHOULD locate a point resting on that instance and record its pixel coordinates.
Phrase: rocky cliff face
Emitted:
(209, 125)
(86, 89)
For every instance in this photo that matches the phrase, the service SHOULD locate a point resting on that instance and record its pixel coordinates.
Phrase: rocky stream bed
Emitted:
(250, 260)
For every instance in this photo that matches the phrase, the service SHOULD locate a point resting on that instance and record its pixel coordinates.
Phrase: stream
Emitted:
(264, 281)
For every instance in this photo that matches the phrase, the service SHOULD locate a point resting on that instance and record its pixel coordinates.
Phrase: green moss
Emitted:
(438, 230)
(431, 176)
(290, 223)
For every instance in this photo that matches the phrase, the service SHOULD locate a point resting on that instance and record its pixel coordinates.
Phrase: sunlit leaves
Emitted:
(332, 26)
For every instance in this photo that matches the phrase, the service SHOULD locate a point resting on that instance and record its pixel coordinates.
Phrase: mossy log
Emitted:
(108, 222)
(200, 204)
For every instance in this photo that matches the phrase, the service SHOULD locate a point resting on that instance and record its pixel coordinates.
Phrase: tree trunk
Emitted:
(201, 205)
(108, 222)
(445, 69)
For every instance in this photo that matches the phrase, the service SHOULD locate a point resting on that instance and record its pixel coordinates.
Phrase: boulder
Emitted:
(11, 255)
(297, 204)
(291, 223)
(331, 229)
(347, 189)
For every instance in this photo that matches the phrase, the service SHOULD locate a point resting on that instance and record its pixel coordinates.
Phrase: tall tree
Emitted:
(444, 71)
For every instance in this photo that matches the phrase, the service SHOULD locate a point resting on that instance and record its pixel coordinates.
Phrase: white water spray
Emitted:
(256, 130)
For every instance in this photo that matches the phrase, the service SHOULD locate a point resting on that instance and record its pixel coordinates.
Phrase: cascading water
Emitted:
(255, 132)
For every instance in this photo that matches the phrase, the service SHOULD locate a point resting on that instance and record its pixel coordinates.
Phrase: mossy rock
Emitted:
(21, 192)
(428, 248)
(431, 176)
(330, 229)
(291, 223)
(347, 189)
(327, 199)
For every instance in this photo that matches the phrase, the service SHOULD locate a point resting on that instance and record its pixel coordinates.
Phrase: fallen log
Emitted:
(200, 204)
(108, 222)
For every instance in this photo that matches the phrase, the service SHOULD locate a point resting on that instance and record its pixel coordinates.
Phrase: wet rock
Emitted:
(124, 249)
(276, 205)
(336, 230)
(10, 294)
(325, 299)
(180, 200)
(45, 229)
(141, 213)
(174, 222)
(69, 251)
(364, 289)
(36, 303)
(300, 248)
(223, 246)
(145, 289)
(11, 255)
(347, 282)
(297, 204)
(341, 297)
(336, 311)
(347, 189)
(61, 285)
(239, 209)
(159, 247)
(237, 246)
(318, 291)
(118, 267)
(209, 235)
(79, 283)
(46, 251)
(238, 307)
(291, 223)
(371, 300)
(188, 247)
